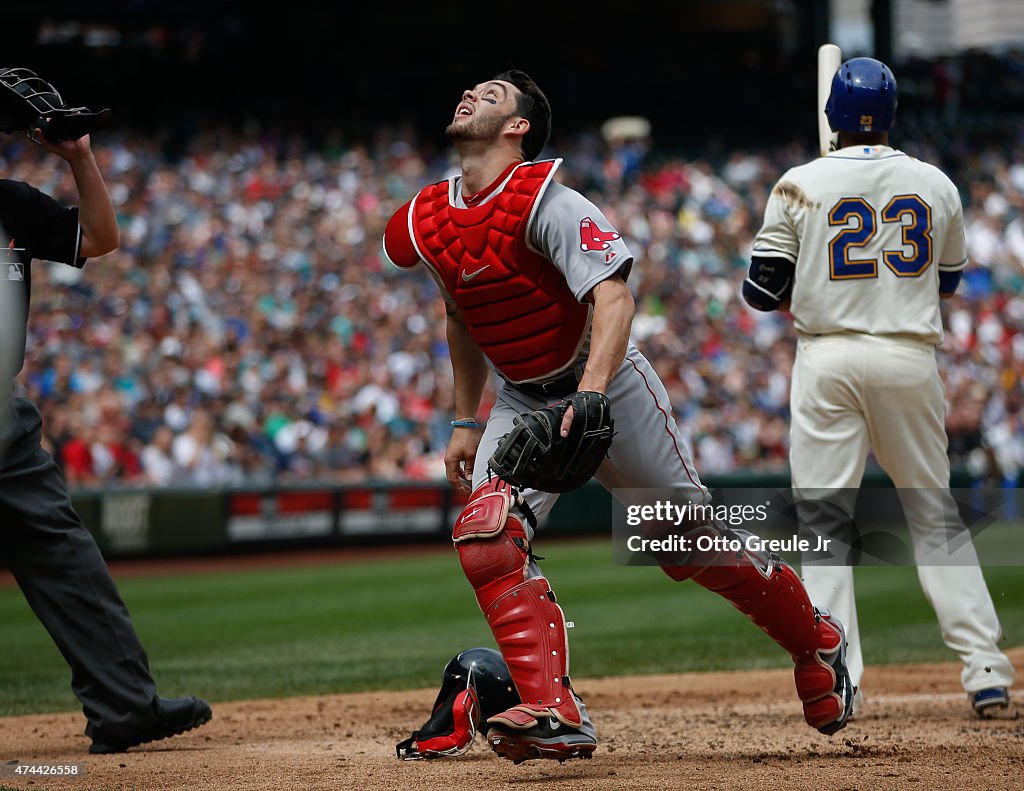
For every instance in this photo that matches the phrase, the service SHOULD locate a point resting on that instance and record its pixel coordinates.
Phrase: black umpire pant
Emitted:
(59, 568)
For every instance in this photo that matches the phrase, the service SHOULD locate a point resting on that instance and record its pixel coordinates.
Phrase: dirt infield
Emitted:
(687, 731)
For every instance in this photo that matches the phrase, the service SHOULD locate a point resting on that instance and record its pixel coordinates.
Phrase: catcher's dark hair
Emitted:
(532, 104)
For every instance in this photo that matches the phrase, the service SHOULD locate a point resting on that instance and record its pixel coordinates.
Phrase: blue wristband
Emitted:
(467, 423)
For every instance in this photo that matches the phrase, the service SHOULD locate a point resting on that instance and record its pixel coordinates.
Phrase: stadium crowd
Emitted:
(249, 330)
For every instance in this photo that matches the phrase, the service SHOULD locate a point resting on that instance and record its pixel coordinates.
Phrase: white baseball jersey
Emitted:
(868, 229)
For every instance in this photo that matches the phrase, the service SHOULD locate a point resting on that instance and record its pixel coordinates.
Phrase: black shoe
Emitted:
(547, 738)
(173, 716)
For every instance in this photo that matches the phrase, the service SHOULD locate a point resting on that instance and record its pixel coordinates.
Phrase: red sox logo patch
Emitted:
(593, 238)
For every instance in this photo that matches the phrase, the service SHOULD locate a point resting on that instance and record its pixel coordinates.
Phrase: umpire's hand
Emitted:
(69, 149)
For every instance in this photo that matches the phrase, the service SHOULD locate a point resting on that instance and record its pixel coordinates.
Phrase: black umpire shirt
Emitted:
(33, 225)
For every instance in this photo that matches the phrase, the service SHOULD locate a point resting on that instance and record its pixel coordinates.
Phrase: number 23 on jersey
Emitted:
(861, 223)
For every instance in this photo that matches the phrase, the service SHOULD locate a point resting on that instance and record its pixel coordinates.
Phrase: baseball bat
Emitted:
(829, 59)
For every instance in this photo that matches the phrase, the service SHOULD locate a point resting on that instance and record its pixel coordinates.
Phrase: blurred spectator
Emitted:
(201, 456)
(157, 459)
(298, 444)
(76, 455)
(1005, 438)
(113, 456)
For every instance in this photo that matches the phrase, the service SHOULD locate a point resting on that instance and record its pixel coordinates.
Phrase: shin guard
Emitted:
(772, 597)
(769, 592)
(527, 623)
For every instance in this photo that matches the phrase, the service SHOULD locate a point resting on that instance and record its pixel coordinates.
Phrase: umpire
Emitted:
(53, 557)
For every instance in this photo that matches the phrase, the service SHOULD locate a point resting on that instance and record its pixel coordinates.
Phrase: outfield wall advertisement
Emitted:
(180, 522)
(190, 521)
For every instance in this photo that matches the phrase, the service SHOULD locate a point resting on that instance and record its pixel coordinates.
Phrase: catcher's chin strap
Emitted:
(527, 623)
(769, 592)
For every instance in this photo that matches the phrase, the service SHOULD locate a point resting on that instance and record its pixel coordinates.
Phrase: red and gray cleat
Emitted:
(823, 682)
(519, 737)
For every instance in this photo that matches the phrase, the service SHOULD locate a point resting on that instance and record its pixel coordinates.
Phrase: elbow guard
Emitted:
(758, 298)
(948, 282)
(769, 282)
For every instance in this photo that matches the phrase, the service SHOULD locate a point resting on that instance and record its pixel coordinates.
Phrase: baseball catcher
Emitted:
(533, 277)
(28, 102)
(539, 453)
(476, 685)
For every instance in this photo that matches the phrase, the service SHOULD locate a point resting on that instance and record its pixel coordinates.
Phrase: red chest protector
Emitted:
(516, 304)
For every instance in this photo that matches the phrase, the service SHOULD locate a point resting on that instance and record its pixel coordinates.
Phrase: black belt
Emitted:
(557, 388)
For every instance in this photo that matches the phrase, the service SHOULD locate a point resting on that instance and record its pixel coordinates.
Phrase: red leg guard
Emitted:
(763, 588)
(527, 623)
(774, 598)
(823, 682)
(530, 629)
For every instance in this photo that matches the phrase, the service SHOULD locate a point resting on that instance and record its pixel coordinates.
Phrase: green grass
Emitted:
(394, 623)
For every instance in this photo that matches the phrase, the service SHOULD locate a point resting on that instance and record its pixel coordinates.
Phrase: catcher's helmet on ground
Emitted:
(863, 97)
(476, 685)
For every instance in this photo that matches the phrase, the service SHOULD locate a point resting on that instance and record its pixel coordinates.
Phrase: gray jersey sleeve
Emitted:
(576, 237)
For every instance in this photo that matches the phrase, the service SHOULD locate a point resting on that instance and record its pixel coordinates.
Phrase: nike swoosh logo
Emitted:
(554, 723)
(467, 276)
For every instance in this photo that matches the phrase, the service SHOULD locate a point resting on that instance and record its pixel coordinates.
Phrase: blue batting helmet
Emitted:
(863, 97)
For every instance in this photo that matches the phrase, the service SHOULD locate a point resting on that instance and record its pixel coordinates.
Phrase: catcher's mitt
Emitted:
(28, 102)
(534, 454)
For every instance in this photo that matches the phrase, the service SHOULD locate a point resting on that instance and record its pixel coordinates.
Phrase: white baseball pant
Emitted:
(853, 392)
